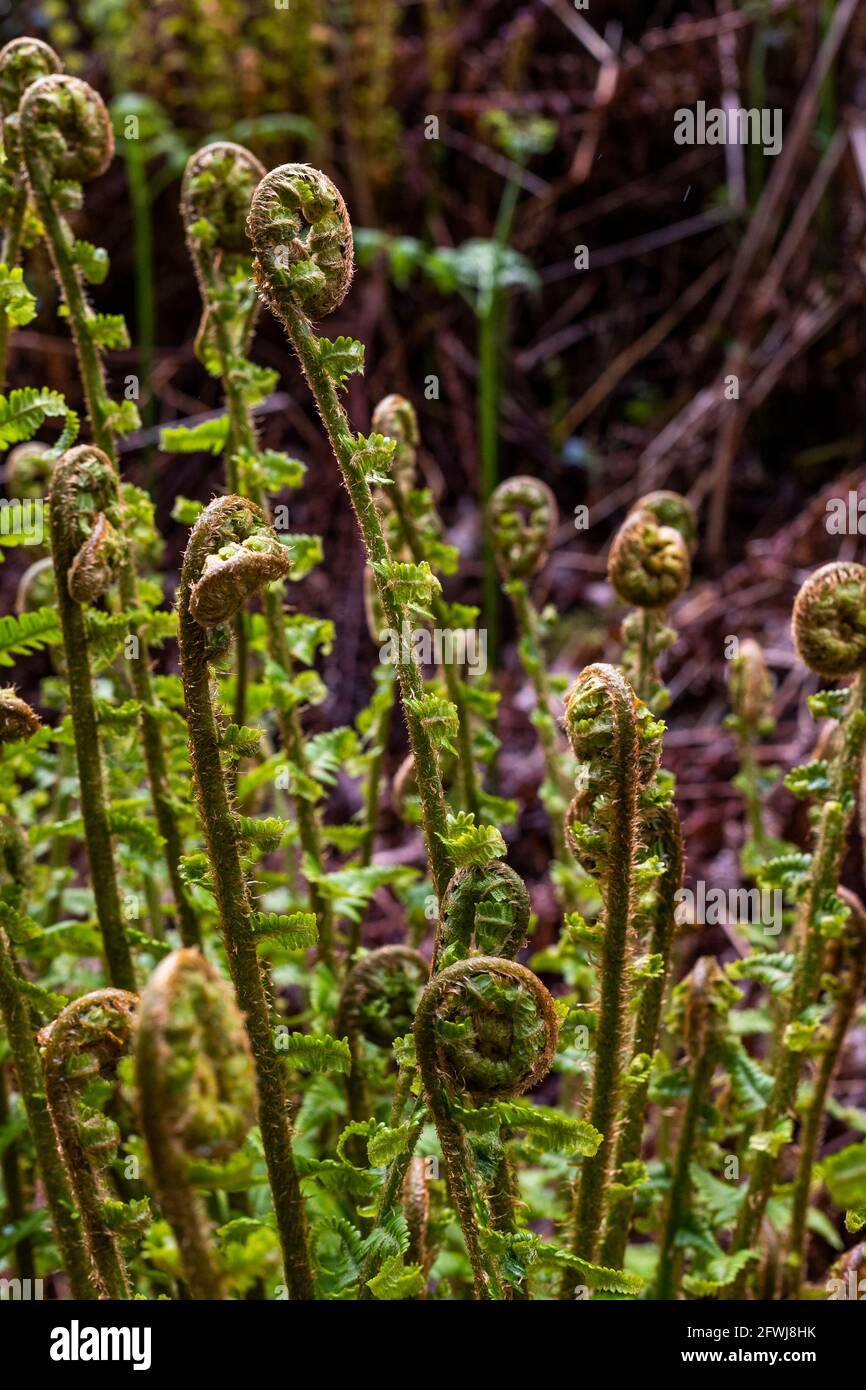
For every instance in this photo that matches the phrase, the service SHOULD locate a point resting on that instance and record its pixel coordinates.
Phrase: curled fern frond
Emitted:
(670, 509)
(522, 516)
(381, 993)
(236, 554)
(86, 522)
(86, 1041)
(22, 62)
(485, 1028)
(649, 564)
(485, 911)
(216, 190)
(17, 720)
(225, 525)
(750, 687)
(395, 418)
(196, 1096)
(217, 187)
(829, 621)
(302, 240)
(65, 131)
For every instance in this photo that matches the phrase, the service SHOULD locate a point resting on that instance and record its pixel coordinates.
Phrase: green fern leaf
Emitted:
(311, 1052)
(211, 436)
(30, 632)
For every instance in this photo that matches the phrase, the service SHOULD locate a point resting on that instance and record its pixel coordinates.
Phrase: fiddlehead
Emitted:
(380, 994)
(485, 911)
(671, 509)
(22, 62)
(302, 239)
(829, 622)
(649, 566)
(230, 551)
(486, 1028)
(395, 417)
(66, 137)
(750, 690)
(196, 1097)
(522, 516)
(17, 720)
(617, 744)
(218, 185)
(378, 1001)
(829, 633)
(85, 546)
(302, 244)
(83, 1044)
(65, 133)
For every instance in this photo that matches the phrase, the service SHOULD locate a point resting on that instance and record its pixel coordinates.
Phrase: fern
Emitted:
(211, 436)
(31, 632)
(23, 412)
(308, 1052)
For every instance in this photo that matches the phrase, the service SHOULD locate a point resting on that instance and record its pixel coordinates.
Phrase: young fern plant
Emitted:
(846, 978)
(522, 517)
(22, 61)
(750, 690)
(485, 1030)
(17, 722)
(412, 527)
(703, 1002)
(87, 549)
(377, 1005)
(218, 185)
(83, 1044)
(649, 566)
(829, 633)
(66, 139)
(196, 1098)
(618, 745)
(302, 244)
(662, 836)
(232, 553)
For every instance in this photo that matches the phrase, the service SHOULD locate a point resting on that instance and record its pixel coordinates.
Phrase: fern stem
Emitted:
(466, 761)
(702, 1030)
(663, 835)
(31, 1087)
(235, 518)
(827, 626)
(67, 106)
(620, 755)
(78, 471)
(850, 989)
(89, 1034)
(330, 243)
(196, 1097)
